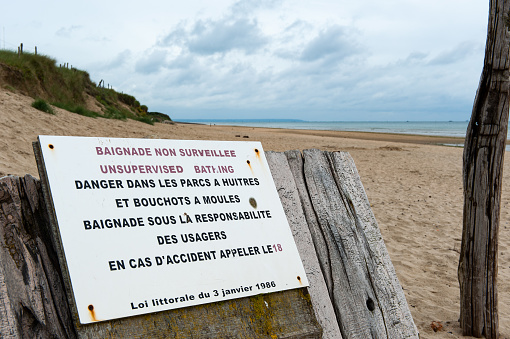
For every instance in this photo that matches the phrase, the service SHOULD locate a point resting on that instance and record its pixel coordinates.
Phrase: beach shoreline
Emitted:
(357, 135)
(410, 138)
(413, 185)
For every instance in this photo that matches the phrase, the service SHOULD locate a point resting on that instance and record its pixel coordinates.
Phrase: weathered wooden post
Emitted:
(33, 301)
(482, 174)
(35, 52)
(363, 286)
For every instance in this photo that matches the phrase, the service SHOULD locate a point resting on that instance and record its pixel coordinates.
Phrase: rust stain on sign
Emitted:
(257, 154)
(251, 168)
(92, 313)
(50, 146)
(259, 158)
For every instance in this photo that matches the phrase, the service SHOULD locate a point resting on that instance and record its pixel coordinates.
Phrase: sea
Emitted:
(431, 128)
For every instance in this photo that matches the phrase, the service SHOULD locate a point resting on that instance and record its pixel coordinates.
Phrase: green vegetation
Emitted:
(78, 109)
(38, 76)
(10, 88)
(158, 117)
(42, 105)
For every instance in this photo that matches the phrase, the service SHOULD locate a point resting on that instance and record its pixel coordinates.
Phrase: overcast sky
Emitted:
(313, 60)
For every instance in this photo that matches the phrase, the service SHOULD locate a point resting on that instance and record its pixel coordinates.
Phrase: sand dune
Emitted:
(414, 187)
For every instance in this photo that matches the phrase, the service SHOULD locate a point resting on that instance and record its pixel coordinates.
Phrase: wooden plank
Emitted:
(32, 298)
(287, 190)
(367, 297)
(395, 309)
(296, 164)
(285, 314)
(349, 291)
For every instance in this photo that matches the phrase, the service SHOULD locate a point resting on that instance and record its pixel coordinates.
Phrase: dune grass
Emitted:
(43, 106)
(39, 77)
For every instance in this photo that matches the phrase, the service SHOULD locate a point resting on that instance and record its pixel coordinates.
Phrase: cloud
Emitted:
(116, 62)
(208, 37)
(454, 55)
(304, 69)
(290, 42)
(334, 42)
(221, 37)
(67, 32)
(183, 62)
(416, 57)
(236, 31)
(248, 7)
(151, 63)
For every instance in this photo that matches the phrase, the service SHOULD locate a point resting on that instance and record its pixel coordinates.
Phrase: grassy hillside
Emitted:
(39, 76)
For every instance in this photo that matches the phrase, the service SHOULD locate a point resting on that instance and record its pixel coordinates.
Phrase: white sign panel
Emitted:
(152, 225)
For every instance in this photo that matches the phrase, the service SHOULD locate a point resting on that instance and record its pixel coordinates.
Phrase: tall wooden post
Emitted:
(482, 175)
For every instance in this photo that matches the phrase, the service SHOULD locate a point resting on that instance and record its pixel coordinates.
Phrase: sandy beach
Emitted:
(413, 185)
